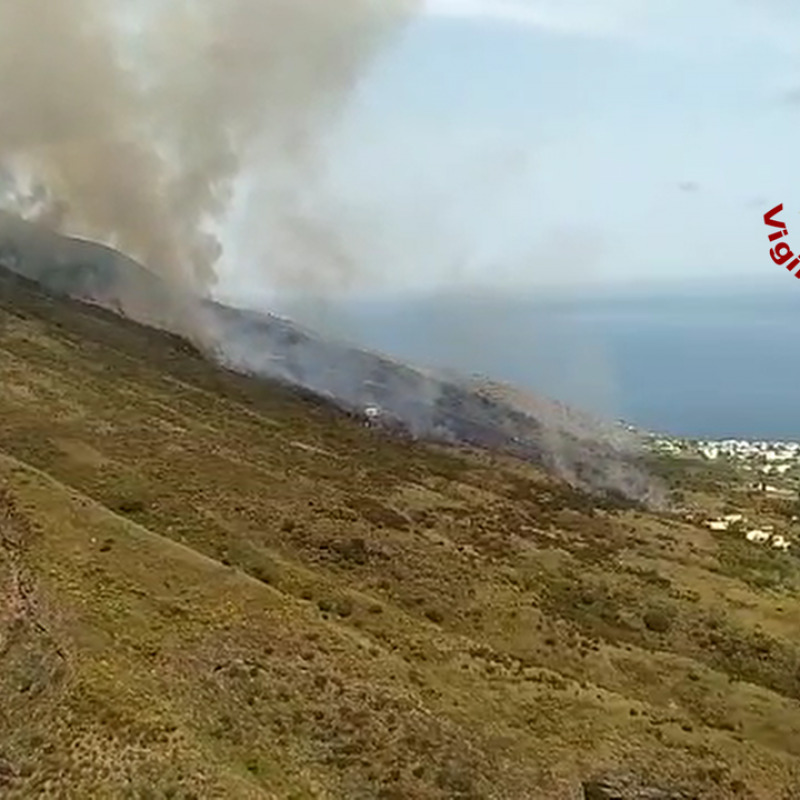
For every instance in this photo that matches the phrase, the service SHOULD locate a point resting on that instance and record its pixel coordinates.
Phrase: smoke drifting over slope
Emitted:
(430, 404)
(131, 126)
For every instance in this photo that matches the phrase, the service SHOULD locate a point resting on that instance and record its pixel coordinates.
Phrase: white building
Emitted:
(780, 543)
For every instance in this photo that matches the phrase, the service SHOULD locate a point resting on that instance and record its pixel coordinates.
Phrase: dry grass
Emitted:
(216, 587)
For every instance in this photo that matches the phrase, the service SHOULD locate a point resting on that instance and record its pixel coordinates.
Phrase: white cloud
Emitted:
(582, 17)
(685, 23)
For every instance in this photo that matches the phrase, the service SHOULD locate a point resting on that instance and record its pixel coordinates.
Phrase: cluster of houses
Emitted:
(775, 466)
(768, 454)
(769, 458)
(775, 458)
(763, 535)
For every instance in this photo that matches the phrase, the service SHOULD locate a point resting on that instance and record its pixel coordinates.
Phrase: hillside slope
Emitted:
(588, 452)
(217, 587)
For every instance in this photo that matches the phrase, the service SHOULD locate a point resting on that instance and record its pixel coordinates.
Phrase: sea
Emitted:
(710, 360)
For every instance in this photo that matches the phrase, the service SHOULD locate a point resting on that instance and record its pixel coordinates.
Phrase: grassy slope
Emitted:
(216, 588)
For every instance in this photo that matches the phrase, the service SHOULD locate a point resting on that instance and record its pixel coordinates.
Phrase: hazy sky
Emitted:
(571, 141)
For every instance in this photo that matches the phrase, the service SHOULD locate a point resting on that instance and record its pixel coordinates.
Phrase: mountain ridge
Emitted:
(588, 452)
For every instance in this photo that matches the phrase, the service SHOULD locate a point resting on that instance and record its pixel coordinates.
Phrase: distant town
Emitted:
(775, 466)
(772, 467)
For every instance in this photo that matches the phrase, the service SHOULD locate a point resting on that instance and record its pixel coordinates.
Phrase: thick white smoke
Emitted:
(130, 124)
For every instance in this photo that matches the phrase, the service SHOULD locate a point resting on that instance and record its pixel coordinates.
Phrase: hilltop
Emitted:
(217, 585)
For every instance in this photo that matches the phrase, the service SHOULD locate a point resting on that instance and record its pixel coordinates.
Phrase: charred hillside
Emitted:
(589, 453)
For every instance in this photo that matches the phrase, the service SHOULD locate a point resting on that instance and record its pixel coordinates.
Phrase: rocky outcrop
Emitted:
(623, 786)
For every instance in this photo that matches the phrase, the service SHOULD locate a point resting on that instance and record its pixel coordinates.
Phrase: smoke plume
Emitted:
(131, 125)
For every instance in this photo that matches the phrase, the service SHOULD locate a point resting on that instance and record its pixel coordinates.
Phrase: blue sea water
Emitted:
(726, 367)
(698, 362)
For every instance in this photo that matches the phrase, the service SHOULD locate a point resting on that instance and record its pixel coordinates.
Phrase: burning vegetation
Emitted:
(589, 453)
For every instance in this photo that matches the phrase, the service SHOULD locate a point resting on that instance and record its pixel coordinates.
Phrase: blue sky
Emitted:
(518, 143)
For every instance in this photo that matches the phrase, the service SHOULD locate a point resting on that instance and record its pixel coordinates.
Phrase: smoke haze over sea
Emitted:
(700, 359)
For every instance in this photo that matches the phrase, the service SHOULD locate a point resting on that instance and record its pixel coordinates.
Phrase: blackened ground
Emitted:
(591, 454)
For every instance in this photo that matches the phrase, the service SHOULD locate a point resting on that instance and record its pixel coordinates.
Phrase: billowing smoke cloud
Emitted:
(131, 124)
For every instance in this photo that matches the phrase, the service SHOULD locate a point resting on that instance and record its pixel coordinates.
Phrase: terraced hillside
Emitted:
(216, 587)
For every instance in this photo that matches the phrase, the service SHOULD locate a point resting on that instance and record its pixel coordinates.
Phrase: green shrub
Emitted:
(658, 620)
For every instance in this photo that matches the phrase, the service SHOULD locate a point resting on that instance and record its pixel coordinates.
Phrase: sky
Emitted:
(523, 143)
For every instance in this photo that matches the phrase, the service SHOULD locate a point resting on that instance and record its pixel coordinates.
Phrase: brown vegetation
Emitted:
(195, 606)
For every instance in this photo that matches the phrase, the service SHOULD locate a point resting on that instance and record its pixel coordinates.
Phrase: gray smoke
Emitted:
(131, 125)
(432, 404)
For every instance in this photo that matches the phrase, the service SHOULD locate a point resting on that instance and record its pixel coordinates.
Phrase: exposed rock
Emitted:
(627, 787)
